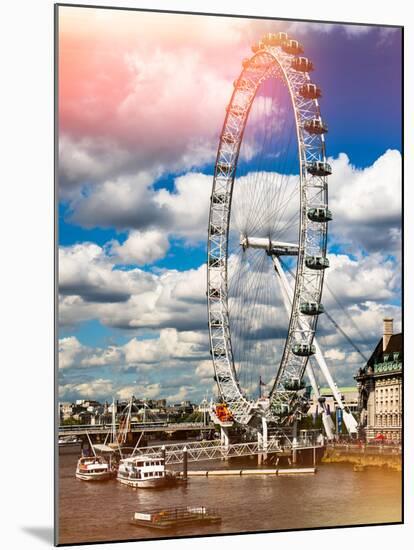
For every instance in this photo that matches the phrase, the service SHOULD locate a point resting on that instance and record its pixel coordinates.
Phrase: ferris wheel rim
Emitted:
(279, 62)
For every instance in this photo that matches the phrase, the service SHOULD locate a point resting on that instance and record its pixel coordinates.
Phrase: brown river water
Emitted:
(335, 496)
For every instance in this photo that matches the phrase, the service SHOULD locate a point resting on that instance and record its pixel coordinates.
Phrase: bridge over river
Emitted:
(135, 427)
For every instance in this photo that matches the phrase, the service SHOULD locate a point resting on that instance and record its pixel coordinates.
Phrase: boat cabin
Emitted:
(92, 465)
(142, 467)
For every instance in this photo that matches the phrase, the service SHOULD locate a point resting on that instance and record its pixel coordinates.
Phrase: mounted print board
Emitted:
(229, 344)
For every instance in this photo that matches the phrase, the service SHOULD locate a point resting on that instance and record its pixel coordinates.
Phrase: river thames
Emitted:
(336, 495)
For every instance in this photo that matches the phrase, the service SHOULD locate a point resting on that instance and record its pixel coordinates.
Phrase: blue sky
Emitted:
(132, 320)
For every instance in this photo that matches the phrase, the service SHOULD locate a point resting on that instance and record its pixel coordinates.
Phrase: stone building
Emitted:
(380, 388)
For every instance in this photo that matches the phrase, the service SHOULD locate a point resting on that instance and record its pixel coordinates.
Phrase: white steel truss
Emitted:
(213, 450)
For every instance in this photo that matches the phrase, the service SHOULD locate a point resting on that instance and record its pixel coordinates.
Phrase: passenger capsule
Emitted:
(310, 91)
(316, 262)
(274, 39)
(302, 64)
(292, 46)
(294, 384)
(315, 126)
(319, 214)
(319, 168)
(311, 308)
(303, 350)
(215, 322)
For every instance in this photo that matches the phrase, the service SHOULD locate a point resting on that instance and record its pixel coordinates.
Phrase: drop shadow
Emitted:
(44, 534)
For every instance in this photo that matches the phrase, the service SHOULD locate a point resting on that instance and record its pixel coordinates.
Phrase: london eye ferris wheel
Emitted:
(267, 234)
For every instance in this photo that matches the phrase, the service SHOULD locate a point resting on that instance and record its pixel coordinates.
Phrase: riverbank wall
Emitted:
(364, 457)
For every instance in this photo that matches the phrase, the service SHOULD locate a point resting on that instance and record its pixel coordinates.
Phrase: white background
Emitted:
(26, 253)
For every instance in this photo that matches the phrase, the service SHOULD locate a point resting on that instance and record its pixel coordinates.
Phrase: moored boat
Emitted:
(144, 472)
(94, 468)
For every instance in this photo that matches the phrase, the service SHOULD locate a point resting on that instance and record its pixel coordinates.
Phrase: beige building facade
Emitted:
(380, 388)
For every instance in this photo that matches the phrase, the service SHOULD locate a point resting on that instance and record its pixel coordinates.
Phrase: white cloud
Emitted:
(335, 354)
(205, 369)
(179, 396)
(85, 270)
(99, 388)
(69, 350)
(150, 391)
(124, 202)
(170, 345)
(141, 247)
(188, 205)
(372, 277)
(164, 351)
(73, 354)
(366, 203)
(92, 289)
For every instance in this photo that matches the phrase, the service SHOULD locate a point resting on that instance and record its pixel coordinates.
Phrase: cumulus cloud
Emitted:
(167, 361)
(170, 345)
(73, 354)
(99, 388)
(122, 202)
(366, 203)
(150, 391)
(69, 351)
(124, 100)
(179, 396)
(164, 351)
(141, 247)
(102, 92)
(364, 278)
(86, 272)
(91, 288)
(154, 215)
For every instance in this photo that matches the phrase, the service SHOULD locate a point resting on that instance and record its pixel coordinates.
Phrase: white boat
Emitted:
(144, 471)
(94, 468)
